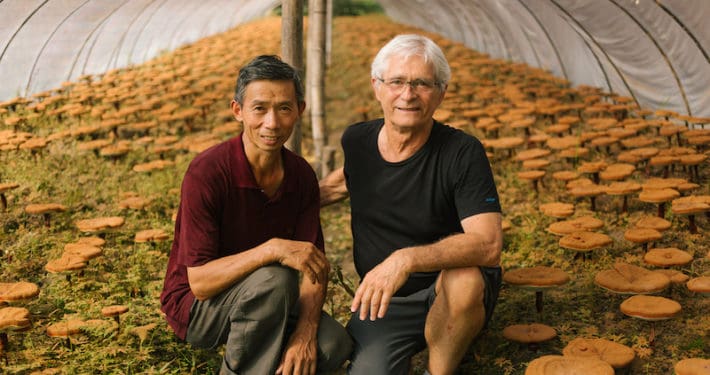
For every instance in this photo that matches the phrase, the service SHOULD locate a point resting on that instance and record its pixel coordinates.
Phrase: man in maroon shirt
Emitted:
(247, 225)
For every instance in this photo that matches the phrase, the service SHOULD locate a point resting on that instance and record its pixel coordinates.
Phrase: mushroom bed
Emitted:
(107, 153)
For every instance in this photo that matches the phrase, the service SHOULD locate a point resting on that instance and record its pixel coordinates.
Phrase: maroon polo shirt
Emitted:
(223, 211)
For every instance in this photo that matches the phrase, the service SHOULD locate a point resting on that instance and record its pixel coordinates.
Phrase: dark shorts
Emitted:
(385, 346)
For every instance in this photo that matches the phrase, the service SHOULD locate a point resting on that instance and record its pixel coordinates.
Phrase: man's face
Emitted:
(406, 106)
(269, 112)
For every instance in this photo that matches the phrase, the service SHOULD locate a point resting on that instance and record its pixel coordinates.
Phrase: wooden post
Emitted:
(328, 31)
(292, 52)
(315, 78)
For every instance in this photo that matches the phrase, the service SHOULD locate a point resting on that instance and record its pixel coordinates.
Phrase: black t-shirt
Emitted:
(416, 201)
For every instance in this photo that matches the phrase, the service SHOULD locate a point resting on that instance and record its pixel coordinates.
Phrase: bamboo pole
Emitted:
(315, 78)
(292, 52)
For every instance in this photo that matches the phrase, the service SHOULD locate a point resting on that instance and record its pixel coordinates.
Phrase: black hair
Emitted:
(267, 67)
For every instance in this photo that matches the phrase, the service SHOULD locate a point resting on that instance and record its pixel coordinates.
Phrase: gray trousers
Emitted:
(254, 318)
(385, 346)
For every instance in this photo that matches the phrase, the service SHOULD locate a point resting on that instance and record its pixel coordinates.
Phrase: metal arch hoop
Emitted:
(83, 45)
(685, 28)
(46, 42)
(589, 35)
(547, 35)
(662, 52)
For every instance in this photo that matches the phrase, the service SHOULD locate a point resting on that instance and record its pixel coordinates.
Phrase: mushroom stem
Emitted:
(3, 202)
(592, 203)
(3, 346)
(46, 219)
(691, 224)
(538, 301)
(625, 205)
(661, 210)
(652, 335)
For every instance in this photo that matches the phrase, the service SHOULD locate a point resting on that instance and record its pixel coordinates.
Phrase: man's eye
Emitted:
(396, 82)
(421, 83)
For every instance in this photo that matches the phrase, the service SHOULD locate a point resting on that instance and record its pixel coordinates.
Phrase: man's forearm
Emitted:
(455, 251)
(310, 306)
(333, 188)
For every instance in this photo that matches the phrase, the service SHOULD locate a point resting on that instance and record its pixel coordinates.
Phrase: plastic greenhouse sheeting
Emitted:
(654, 51)
(46, 42)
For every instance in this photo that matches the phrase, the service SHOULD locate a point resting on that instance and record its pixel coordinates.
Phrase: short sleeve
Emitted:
(199, 234)
(475, 189)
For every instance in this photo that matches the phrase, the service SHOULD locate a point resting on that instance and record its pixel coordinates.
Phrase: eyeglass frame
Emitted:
(416, 84)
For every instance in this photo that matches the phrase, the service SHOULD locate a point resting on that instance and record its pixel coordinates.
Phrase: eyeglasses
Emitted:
(422, 86)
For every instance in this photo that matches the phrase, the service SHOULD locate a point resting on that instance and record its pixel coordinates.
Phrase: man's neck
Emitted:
(267, 168)
(397, 143)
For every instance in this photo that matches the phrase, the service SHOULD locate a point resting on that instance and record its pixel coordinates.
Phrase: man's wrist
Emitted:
(405, 260)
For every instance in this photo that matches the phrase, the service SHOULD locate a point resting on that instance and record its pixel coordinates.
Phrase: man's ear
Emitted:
(374, 82)
(301, 108)
(236, 110)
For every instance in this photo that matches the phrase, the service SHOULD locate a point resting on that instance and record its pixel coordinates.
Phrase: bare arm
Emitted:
(333, 188)
(300, 355)
(479, 245)
(219, 274)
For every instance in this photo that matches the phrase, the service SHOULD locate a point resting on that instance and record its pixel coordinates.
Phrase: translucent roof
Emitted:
(46, 42)
(655, 51)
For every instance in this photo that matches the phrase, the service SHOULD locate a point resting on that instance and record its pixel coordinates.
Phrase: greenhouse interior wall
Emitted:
(654, 51)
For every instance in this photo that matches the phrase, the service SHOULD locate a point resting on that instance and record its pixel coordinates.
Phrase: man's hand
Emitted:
(300, 356)
(302, 256)
(379, 285)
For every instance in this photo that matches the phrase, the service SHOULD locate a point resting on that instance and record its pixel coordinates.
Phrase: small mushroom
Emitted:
(19, 291)
(623, 188)
(562, 365)
(642, 236)
(99, 224)
(675, 276)
(533, 175)
(12, 319)
(557, 209)
(690, 206)
(650, 308)
(66, 263)
(667, 257)
(538, 279)
(45, 209)
(584, 241)
(531, 334)
(624, 278)
(692, 366)
(82, 250)
(66, 330)
(699, 284)
(592, 191)
(615, 354)
(134, 203)
(115, 312)
(148, 235)
(653, 222)
(93, 241)
(5, 187)
(660, 197)
(580, 224)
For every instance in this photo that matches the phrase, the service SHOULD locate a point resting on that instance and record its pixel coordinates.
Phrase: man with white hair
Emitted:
(426, 220)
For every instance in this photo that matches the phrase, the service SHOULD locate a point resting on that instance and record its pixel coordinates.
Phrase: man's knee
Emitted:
(273, 287)
(462, 288)
(334, 344)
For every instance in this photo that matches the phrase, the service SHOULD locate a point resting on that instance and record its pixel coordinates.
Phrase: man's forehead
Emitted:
(399, 65)
(262, 90)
